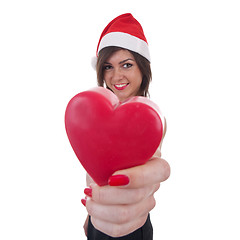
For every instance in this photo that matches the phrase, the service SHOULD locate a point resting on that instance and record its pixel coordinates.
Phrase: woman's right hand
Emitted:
(120, 210)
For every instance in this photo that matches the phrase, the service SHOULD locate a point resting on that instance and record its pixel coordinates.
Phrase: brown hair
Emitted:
(142, 62)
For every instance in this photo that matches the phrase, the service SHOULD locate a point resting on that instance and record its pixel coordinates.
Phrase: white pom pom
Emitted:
(94, 62)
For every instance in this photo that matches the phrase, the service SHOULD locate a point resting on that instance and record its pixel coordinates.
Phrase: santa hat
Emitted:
(126, 32)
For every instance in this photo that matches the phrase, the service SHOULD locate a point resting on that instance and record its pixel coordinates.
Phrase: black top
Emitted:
(143, 233)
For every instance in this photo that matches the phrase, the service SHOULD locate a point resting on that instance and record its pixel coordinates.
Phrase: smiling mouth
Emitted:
(121, 86)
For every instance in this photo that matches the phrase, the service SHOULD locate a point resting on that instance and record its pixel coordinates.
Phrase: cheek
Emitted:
(108, 75)
(137, 78)
(105, 77)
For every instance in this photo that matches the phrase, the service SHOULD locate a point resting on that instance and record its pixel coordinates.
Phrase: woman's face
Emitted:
(122, 74)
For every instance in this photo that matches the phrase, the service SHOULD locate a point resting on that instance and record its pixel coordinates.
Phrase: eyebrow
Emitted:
(126, 60)
(123, 61)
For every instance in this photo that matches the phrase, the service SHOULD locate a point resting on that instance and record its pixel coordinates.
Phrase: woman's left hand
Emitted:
(120, 210)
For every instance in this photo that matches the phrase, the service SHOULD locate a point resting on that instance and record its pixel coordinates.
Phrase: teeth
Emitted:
(121, 85)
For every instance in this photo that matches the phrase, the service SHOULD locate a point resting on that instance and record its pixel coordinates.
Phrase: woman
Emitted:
(121, 209)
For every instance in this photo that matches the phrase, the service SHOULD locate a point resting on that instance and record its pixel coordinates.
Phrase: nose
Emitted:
(117, 75)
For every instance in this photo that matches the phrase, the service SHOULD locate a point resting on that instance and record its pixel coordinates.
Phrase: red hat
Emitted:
(126, 32)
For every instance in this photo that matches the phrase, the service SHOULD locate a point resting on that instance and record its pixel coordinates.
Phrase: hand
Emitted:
(120, 210)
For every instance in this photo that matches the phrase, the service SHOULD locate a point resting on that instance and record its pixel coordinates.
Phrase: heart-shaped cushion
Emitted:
(107, 135)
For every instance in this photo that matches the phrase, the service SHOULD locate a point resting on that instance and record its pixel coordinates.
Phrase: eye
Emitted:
(107, 67)
(127, 65)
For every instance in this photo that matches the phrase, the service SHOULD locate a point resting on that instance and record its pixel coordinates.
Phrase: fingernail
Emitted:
(88, 192)
(84, 202)
(118, 180)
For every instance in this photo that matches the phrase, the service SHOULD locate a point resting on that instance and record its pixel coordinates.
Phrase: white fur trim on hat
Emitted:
(127, 41)
(94, 62)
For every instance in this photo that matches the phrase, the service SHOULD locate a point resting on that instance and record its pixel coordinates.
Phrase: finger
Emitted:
(120, 214)
(113, 195)
(154, 171)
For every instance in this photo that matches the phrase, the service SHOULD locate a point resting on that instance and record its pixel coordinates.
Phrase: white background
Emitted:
(45, 59)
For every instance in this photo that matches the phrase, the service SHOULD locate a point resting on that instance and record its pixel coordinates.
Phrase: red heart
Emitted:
(107, 135)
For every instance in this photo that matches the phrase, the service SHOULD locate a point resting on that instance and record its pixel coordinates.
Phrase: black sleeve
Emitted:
(143, 233)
